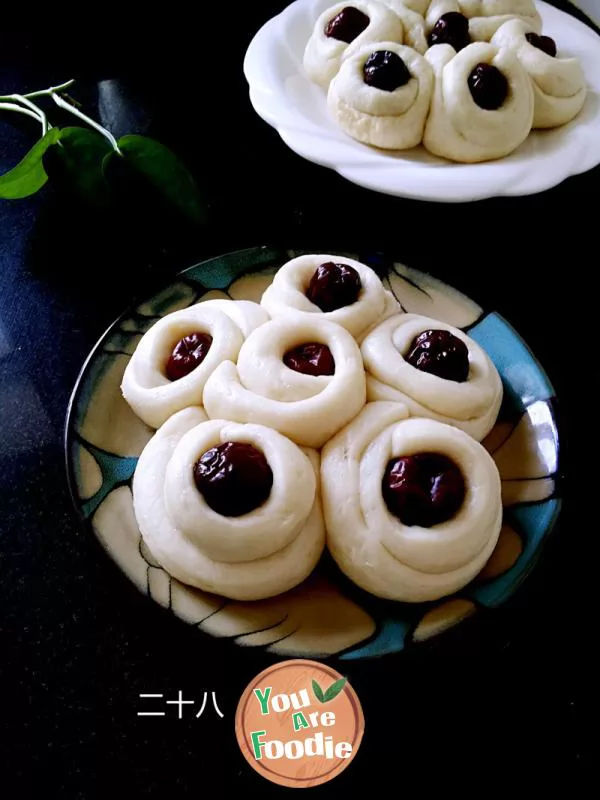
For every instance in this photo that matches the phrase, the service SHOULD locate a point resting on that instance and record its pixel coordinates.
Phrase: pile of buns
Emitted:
(468, 79)
(327, 436)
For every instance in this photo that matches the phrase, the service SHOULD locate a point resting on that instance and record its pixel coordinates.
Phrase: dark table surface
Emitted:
(507, 700)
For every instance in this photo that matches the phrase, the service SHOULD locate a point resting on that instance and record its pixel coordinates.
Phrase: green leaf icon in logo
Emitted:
(318, 692)
(334, 690)
(331, 693)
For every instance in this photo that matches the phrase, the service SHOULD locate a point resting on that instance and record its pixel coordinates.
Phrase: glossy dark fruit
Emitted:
(310, 359)
(545, 43)
(347, 25)
(488, 86)
(334, 286)
(386, 71)
(233, 478)
(187, 354)
(424, 489)
(440, 353)
(451, 28)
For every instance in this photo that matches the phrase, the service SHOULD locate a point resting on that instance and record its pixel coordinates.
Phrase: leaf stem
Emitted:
(51, 90)
(31, 109)
(19, 110)
(42, 117)
(62, 103)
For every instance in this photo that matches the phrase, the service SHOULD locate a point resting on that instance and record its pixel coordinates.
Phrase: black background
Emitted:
(504, 699)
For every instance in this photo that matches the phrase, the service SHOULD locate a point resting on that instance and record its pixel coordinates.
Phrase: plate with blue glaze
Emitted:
(326, 616)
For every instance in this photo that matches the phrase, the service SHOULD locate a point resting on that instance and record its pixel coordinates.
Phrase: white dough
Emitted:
(457, 128)
(472, 406)
(261, 389)
(390, 120)
(485, 16)
(418, 7)
(413, 22)
(559, 86)
(258, 555)
(145, 386)
(370, 545)
(323, 54)
(287, 294)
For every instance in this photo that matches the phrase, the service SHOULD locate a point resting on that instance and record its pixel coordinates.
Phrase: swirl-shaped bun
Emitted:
(287, 294)
(472, 405)
(392, 120)
(559, 86)
(251, 557)
(485, 16)
(324, 54)
(261, 389)
(370, 545)
(146, 387)
(457, 128)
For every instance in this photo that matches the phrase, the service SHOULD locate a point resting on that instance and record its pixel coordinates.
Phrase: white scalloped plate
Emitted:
(287, 100)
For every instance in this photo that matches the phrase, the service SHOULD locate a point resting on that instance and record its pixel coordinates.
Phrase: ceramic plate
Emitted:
(287, 100)
(325, 616)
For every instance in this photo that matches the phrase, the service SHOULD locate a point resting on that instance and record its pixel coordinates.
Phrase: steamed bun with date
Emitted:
(381, 95)
(559, 87)
(342, 30)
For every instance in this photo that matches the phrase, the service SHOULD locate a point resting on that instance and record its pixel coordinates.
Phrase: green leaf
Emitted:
(75, 163)
(334, 690)
(318, 692)
(29, 175)
(165, 172)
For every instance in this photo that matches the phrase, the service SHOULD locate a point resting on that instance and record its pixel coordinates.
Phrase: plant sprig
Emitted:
(86, 166)
(24, 104)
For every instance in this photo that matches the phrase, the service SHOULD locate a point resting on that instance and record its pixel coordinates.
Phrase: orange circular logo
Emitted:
(299, 723)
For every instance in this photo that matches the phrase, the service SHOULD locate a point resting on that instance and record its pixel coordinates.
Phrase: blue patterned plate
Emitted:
(325, 616)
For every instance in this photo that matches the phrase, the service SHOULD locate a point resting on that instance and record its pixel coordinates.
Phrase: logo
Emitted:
(299, 723)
